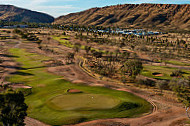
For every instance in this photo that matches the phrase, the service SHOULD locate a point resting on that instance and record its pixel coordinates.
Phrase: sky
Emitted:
(57, 8)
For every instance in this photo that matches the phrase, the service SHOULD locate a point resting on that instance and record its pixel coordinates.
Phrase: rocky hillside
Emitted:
(12, 13)
(158, 16)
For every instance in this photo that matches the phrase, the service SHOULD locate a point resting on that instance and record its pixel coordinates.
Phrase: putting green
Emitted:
(82, 102)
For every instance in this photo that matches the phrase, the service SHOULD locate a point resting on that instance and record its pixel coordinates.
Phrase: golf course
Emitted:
(52, 103)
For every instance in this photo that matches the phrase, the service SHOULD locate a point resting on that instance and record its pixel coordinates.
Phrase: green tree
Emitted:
(87, 49)
(77, 47)
(179, 85)
(161, 84)
(117, 52)
(177, 73)
(181, 88)
(12, 108)
(48, 38)
(64, 33)
(70, 57)
(132, 68)
(125, 56)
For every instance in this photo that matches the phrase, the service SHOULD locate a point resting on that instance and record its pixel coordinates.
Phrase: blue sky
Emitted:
(62, 7)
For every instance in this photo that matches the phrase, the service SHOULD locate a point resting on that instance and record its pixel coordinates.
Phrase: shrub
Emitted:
(162, 84)
(177, 73)
(145, 81)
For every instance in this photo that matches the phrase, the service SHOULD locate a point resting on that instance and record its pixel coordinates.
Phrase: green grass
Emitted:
(67, 43)
(50, 102)
(63, 41)
(86, 102)
(187, 122)
(174, 62)
(166, 71)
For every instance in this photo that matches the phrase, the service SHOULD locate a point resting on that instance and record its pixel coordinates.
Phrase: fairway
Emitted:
(166, 71)
(51, 103)
(82, 102)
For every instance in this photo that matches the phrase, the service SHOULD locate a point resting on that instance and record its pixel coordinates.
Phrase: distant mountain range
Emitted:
(12, 13)
(154, 16)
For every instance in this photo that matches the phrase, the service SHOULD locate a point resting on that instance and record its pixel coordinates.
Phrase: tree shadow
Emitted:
(34, 67)
(13, 67)
(7, 60)
(7, 55)
(22, 73)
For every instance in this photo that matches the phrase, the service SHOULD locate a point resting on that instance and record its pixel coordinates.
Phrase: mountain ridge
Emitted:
(17, 14)
(158, 16)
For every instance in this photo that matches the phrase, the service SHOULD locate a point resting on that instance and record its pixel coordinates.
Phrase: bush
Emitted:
(3, 38)
(145, 81)
(1, 61)
(64, 33)
(162, 84)
(177, 73)
(26, 91)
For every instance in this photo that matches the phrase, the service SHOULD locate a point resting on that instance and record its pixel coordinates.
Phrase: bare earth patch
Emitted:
(74, 91)
(159, 75)
(20, 86)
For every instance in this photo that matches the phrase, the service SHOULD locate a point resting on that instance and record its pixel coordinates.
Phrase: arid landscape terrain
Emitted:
(121, 65)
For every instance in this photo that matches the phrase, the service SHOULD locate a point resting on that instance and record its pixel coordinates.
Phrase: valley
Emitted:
(110, 65)
(58, 81)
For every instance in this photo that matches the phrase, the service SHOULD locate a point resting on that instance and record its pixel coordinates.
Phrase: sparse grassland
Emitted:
(51, 103)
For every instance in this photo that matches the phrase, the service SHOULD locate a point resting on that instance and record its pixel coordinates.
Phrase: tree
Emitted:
(77, 47)
(161, 84)
(177, 73)
(70, 57)
(132, 68)
(132, 47)
(117, 51)
(97, 54)
(48, 38)
(64, 33)
(181, 88)
(178, 85)
(125, 56)
(12, 108)
(87, 49)
(145, 81)
(123, 79)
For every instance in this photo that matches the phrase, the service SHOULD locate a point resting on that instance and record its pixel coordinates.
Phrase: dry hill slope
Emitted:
(12, 13)
(164, 16)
